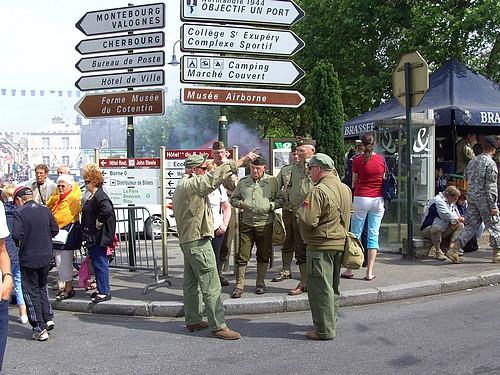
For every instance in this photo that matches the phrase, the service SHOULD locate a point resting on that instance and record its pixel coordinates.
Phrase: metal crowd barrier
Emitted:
(136, 249)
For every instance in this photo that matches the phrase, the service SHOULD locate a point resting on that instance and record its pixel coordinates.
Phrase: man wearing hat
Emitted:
(300, 184)
(219, 154)
(33, 230)
(324, 218)
(257, 196)
(195, 227)
(482, 196)
(287, 247)
(357, 150)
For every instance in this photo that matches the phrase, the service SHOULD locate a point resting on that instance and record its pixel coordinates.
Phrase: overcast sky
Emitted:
(37, 46)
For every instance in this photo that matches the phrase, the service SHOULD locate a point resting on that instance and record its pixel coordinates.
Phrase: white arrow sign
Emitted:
(240, 71)
(121, 43)
(121, 80)
(264, 12)
(114, 62)
(247, 40)
(119, 20)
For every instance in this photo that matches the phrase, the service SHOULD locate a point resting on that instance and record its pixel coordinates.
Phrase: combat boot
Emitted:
(260, 284)
(301, 288)
(496, 256)
(440, 255)
(287, 264)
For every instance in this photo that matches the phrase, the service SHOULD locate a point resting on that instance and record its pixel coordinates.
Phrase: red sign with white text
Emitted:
(130, 163)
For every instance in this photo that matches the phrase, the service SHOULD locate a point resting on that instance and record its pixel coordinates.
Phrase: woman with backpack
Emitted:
(368, 170)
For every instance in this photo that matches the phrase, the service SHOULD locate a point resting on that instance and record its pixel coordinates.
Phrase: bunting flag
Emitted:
(31, 92)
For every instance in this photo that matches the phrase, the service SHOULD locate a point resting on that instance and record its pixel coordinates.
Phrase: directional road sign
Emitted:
(233, 39)
(241, 97)
(121, 80)
(115, 62)
(119, 20)
(121, 104)
(263, 12)
(240, 71)
(121, 43)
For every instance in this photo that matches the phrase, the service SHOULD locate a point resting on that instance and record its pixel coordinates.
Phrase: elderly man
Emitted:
(442, 221)
(323, 220)
(43, 187)
(257, 196)
(219, 155)
(300, 184)
(195, 227)
(33, 230)
(482, 197)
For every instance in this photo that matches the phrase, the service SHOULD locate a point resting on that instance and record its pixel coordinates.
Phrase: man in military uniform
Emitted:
(219, 154)
(300, 184)
(287, 247)
(465, 152)
(195, 227)
(323, 220)
(257, 196)
(482, 196)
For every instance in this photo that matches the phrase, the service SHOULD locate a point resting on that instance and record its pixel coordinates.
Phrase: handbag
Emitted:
(279, 232)
(389, 185)
(353, 256)
(84, 273)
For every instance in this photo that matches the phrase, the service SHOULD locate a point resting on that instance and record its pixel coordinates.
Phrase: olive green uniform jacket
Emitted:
(283, 179)
(257, 199)
(319, 216)
(192, 211)
(300, 184)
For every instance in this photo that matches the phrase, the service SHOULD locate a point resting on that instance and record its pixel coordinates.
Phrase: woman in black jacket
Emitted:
(98, 231)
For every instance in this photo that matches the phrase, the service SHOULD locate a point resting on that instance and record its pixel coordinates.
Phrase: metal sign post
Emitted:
(164, 222)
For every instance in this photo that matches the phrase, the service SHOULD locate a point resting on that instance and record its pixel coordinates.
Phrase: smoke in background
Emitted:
(246, 139)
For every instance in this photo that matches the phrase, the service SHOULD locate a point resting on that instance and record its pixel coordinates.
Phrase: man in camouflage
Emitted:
(257, 196)
(300, 184)
(482, 194)
(195, 227)
(324, 218)
(287, 247)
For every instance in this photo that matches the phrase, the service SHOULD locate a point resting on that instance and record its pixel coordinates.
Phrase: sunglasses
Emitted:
(61, 186)
(87, 181)
(310, 167)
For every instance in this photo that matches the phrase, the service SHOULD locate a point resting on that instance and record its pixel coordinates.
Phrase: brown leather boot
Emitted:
(197, 326)
(298, 290)
(226, 334)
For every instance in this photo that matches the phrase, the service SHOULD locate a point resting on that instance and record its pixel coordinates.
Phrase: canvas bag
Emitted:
(353, 256)
(279, 232)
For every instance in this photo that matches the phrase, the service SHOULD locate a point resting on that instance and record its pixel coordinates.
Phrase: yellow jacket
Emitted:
(67, 211)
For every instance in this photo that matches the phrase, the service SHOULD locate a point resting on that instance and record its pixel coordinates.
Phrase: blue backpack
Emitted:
(389, 185)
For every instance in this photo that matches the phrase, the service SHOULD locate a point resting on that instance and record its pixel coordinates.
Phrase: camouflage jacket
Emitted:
(481, 174)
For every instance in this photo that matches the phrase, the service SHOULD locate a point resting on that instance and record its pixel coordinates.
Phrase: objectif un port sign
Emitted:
(122, 103)
(242, 40)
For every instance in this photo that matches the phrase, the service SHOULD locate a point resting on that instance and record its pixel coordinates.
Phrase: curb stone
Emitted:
(284, 303)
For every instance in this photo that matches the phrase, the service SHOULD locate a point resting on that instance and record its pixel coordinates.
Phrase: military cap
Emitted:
(359, 142)
(490, 141)
(305, 141)
(218, 145)
(21, 191)
(323, 161)
(193, 161)
(259, 161)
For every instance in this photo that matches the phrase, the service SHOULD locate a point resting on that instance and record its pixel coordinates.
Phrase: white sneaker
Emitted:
(50, 325)
(41, 336)
(23, 319)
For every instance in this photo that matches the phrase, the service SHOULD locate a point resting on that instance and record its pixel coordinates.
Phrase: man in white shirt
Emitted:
(221, 210)
(42, 187)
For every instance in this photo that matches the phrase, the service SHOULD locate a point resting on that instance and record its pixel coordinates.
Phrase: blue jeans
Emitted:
(4, 328)
(101, 267)
(16, 273)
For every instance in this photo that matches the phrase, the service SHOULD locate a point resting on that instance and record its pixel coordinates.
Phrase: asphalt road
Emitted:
(451, 334)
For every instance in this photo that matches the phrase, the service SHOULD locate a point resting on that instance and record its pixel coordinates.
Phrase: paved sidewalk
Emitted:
(396, 279)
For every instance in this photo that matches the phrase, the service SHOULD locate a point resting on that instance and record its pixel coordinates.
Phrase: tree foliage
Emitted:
(327, 113)
(364, 40)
